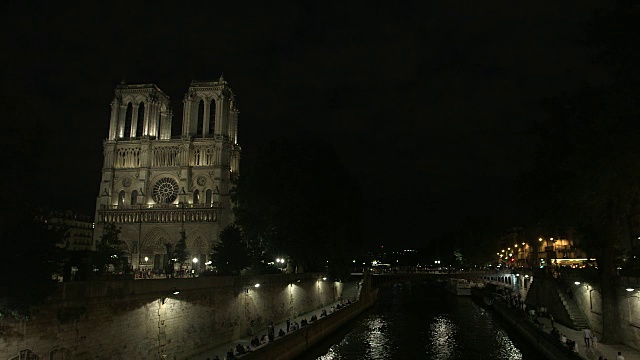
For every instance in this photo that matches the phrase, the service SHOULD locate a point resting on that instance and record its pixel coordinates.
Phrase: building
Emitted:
(155, 185)
(78, 230)
(518, 250)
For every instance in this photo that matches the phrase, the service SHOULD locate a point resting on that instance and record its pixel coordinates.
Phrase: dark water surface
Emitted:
(422, 321)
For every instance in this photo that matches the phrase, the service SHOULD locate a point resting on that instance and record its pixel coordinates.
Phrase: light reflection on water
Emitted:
(375, 339)
(441, 342)
(422, 322)
(378, 339)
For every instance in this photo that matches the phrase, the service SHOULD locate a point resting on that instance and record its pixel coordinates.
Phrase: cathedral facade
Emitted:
(155, 185)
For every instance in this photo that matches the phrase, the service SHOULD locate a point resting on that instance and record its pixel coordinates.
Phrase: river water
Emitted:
(422, 321)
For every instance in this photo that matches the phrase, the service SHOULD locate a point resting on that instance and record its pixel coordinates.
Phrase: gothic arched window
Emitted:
(134, 197)
(121, 198)
(127, 121)
(200, 117)
(140, 122)
(208, 197)
(196, 196)
(212, 117)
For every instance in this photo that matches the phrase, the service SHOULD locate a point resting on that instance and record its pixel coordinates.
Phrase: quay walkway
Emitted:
(551, 345)
(606, 351)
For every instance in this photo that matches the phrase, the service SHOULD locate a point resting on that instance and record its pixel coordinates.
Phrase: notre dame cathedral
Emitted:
(155, 185)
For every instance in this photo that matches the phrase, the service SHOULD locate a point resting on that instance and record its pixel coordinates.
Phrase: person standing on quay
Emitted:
(288, 325)
(587, 337)
(619, 357)
(271, 332)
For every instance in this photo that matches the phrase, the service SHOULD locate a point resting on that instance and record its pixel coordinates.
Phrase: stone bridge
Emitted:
(380, 279)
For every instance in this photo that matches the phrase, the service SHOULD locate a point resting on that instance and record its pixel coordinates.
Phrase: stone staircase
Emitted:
(578, 320)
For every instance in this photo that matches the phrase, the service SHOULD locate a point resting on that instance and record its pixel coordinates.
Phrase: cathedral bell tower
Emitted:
(155, 185)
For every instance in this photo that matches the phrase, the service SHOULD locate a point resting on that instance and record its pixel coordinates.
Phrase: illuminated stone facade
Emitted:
(154, 185)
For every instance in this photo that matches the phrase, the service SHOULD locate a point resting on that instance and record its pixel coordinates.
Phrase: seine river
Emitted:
(423, 321)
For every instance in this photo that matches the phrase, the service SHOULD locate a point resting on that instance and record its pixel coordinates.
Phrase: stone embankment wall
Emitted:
(293, 345)
(544, 292)
(542, 344)
(144, 320)
(589, 299)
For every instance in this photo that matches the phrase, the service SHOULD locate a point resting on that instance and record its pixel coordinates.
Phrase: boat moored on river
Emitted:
(460, 287)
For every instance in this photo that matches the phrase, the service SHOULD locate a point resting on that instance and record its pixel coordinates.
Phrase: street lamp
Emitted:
(195, 262)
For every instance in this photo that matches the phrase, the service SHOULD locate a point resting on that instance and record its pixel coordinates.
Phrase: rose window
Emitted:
(126, 182)
(165, 191)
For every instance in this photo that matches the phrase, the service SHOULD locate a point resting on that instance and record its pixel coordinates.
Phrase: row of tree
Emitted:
(587, 171)
(294, 200)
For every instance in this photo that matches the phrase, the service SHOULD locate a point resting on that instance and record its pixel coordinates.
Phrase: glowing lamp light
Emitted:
(195, 260)
(256, 285)
(577, 282)
(324, 278)
(146, 258)
(629, 289)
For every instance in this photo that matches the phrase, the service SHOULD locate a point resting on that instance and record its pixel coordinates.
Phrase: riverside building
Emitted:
(155, 185)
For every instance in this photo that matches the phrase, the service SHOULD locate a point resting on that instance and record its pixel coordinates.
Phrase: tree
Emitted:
(296, 198)
(29, 249)
(109, 250)
(230, 255)
(170, 269)
(586, 174)
(31, 257)
(180, 250)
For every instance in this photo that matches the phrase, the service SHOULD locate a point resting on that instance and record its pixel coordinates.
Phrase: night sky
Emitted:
(428, 103)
